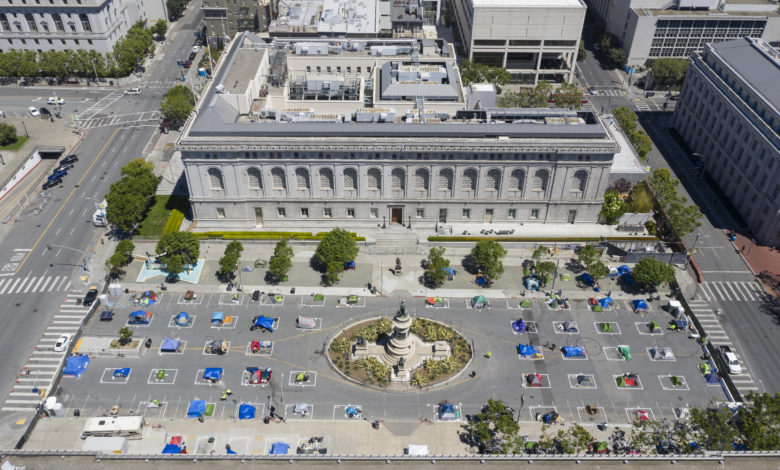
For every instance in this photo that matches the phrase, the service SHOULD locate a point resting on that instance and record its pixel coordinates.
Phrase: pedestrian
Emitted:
(26, 372)
(228, 392)
(223, 396)
(488, 354)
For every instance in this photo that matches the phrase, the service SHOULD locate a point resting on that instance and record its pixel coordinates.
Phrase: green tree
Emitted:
(651, 273)
(588, 255)
(336, 248)
(568, 96)
(640, 200)
(123, 255)
(759, 421)
(668, 72)
(664, 186)
(573, 440)
(494, 430)
(435, 273)
(472, 72)
(613, 207)
(28, 67)
(598, 270)
(539, 252)
(683, 219)
(177, 248)
(713, 428)
(7, 134)
(545, 269)
(142, 174)
(175, 8)
(626, 118)
(487, 256)
(617, 55)
(160, 28)
(177, 105)
(129, 197)
(52, 63)
(229, 261)
(125, 334)
(642, 143)
(281, 262)
(130, 51)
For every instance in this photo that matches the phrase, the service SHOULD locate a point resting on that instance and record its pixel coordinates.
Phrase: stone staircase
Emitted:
(396, 240)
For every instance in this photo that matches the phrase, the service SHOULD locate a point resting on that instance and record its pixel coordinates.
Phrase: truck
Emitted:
(106, 445)
(131, 427)
(99, 216)
(730, 359)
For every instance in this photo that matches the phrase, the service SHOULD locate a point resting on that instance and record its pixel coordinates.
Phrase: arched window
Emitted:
(326, 178)
(579, 180)
(350, 178)
(469, 180)
(421, 179)
(215, 180)
(301, 178)
(85, 23)
(31, 22)
(278, 180)
(516, 180)
(445, 179)
(398, 177)
(255, 178)
(374, 179)
(540, 180)
(493, 181)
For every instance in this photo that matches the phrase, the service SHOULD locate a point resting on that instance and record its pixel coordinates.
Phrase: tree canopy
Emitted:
(281, 261)
(472, 72)
(123, 255)
(588, 255)
(639, 139)
(160, 28)
(494, 430)
(536, 97)
(435, 273)
(613, 207)
(669, 72)
(568, 96)
(676, 215)
(336, 248)
(129, 197)
(487, 256)
(177, 248)
(651, 273)
(177, 105)
(7, 134)
(229, 261)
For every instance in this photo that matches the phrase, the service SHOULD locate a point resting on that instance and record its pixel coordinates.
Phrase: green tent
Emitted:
(621, 382)
(606, 327)
(525, 304)
(654, 326)
(705, 368)
(300, 377)
(479, 301)
(601, 447)
(531, 445)
(597, 308)
(625, 351)
(676, 381)
(319, 297)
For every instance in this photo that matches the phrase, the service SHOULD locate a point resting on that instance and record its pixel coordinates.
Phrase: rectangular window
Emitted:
(351, 213)
(373, 212)
(511, 213)
(304, 212)
(220, 213)
(327, 212)
(534, 213)
(420, 213)
(466, 214)
(281, 212)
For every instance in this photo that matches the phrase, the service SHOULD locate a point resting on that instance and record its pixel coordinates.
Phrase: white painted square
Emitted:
(653, 357)
(631, 413)
(458, 412)
(182, 347)
(612, 353)
(317, 325)
(360, 303)
(638, 381)
(139, 325)
(530, 358)
(581, 358)
(445, 300)
(615, 328)
(108, 376)
(575, 385)
(599, 417)
(152, 412)
(196, 301)
(259, 413)
(227, 299)
(545, 381)
(245, 375)
(311, 382)
(542, 410)
(290, 416)
(514, 304)
(310, 302)
(266, 301)
(275, 324)
(229, 323)
(470, 306)
(213, 354)
(170, 377)
(529, 325)
(260, 352)
(643, 327)
(173, 324)
(666, 382)
(558, 327)
(199, 380)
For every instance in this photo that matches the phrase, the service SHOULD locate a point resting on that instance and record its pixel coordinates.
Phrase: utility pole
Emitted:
(693, 250)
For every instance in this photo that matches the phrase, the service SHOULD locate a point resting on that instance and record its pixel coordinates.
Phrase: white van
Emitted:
(131, 427)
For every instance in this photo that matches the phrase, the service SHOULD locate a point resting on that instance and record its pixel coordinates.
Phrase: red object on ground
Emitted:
(630, 382)
(176, 440)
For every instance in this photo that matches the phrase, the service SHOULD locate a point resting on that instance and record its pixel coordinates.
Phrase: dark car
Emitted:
(192, 55)
(64, 167)
(256, 295)
(89, 299)
(57, 175)
(45, 112)
(69, 159)
(106, 315)
(187, 64)
(52, 183)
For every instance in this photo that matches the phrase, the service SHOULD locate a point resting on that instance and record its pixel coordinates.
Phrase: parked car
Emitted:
(52, 183)
(45, 112)
(186, 64)
(57, 174)
(62, 342)
(195, 49)
(70, 158)
(133, 91)
(64, 167)
(34, 111)
(89, 299)
(55, 100)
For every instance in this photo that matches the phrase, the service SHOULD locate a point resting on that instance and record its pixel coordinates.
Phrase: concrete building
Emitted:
(729, 113)
(72, 24)
(318, 134)
(534, 39)
(653, 29)
(223, 19)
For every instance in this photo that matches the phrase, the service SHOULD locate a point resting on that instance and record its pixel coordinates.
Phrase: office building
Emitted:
(223, 19)
(729, 113)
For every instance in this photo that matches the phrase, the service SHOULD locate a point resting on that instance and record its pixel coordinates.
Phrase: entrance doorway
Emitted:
(258, 216)
(443, 216)
(397, 215)
(572, 216)
(488, 216)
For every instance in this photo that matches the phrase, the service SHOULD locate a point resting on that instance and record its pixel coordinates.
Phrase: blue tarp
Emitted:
(265, 322)
(279, 448)
(519, 326)
(123, 372)
(481, 281)
(624, 269)
(246, 411)
(217, 317)
(169, 345)
(352, 411)
(639, 304)
(76, 365)
(447, 412)
(531, 283)
(231, 451)
(213, 373)
(605, 302)
(526, 350)
(182, 319)
(171, 449)
(449, 271)
(349, 265)
(139, 316)
(587, 279)
(149, 300)
(712, 377)
(197, 408)
(573, 351)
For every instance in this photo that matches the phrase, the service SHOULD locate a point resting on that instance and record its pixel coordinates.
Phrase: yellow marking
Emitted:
(21, 421)
(77, 346)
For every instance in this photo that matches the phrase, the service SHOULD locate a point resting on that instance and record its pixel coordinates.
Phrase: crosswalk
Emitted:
(153, 116)
(642, 106)
(104, 103)
(36, 378)
(717, 335)
(733, 291)
(33, 284)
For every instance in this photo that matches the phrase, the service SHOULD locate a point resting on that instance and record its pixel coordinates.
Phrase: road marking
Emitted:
(35, 289)
(723, 295)
(14, 286)
(21, 249)
(729, 272)
(43, 287)
(65, 203)
(746, 286)
(733, 290)
(29, 285)
(2, 281)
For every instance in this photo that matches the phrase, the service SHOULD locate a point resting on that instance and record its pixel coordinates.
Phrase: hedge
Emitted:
(467, 238)
(174, 221)
(266, 236)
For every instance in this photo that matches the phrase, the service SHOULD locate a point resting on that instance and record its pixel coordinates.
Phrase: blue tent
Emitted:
(231, 451)
(449, 272)
(182, 319)
(531, 283)
(587, 279)
(139, 316)
(624, 269)
(123, 372)
(481, 281)
(605, 302)
(279, 448)
(217, 317)
(352, 411)
(447, 412)
(197, 408)
(171, 449)
(213, 373)
(76, 365)
(519, 326)
(169, 345)
(349, 265)
(265, 322)
(573, 351)
(246, 411)
(150, 297)
(526, 350)
(712, 377)
(639, 304)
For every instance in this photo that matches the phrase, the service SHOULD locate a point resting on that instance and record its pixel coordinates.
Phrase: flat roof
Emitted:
(756, 63)
(327, 16)
(526, 3)
(242, 70)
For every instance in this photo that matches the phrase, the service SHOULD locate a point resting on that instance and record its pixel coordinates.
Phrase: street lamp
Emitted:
(83, 262)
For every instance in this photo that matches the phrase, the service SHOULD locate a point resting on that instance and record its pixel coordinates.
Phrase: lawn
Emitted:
(157, 215)
(20, 140)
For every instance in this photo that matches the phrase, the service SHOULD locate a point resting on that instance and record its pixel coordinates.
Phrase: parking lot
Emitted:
(566, 384)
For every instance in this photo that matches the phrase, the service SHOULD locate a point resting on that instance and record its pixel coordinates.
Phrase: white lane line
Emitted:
(67, 286)
(43, 287)
(733, 290)
(40, 279)
(64, 278)
(707, 291)
(748, 288)
(32, 281)
(10, 291)
(723, 294)
(2, 281)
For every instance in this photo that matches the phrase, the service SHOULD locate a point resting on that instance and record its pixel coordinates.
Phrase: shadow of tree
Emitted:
(469, 264)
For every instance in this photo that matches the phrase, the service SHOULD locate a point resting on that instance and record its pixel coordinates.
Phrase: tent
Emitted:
(605, 302)
(302, 377)
(623, 270)
(170, 345)
(573, 351)
(265, 322)
(600, 447)
(230, 451)
(705, 368)
(639, 304)
(654, 326)
(447, 412)
(276, 298)
(213, 374)
(196, 408)
(302, 408)
(642, 415)
(435, 301)
(449, 272)
(587, 279)
(712, 377)
(319, 297)
(76, 366)
(306, 322)
(218, 317)
(279, 448)
(676, 308)
(626, 381)
(171, 449)
(681, 322)
(526, 350)
(480, 301)
(183, 319)
(585, 380)
(519, 326)
(259, 376)
(121, 373)
(625, 351)
(662, 354)
(534, 380)
(570, 327)
(353, 411)
(349, 265)
(532, 283)
(246, 411)
(481, 281)
(613, 271)
(140, 317)
(606, 327)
